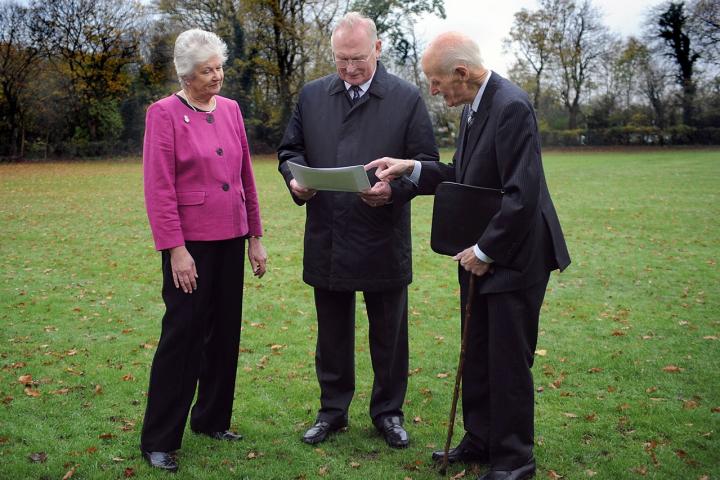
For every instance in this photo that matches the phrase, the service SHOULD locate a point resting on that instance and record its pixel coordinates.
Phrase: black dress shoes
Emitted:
(392, 430)
(227, 436)
(161, 460)
(522, 473)
(319, 432)
(465, 452)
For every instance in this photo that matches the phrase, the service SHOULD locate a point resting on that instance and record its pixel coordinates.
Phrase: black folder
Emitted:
(460, 215)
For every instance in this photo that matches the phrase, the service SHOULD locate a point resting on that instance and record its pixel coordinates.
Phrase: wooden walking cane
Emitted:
(458, 376)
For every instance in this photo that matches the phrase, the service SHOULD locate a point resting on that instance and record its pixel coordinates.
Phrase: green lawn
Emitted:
(626, 371)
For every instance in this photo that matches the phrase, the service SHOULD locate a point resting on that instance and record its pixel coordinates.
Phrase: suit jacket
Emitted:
(502, 151)
(348, 244)
(199, 182)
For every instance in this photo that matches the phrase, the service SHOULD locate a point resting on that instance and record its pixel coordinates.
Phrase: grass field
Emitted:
(626, 368)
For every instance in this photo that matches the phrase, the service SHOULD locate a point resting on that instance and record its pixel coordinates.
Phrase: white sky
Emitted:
(489, 21)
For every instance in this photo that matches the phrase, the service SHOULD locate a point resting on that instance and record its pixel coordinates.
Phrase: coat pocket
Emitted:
(190, 198)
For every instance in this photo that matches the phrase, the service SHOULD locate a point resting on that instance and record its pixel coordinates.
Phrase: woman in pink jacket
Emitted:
(203, 208)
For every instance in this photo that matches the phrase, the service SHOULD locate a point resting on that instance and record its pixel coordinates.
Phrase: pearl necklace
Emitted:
(197, 109)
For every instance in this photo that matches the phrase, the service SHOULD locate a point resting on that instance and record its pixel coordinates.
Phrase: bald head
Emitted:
(450, 49)
(454, 68)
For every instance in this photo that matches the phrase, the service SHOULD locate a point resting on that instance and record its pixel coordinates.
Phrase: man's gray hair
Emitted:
(195, 46)
(352, 20)
(462, 51)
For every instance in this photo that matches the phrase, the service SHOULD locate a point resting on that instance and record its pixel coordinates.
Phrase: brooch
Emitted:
(187, 120)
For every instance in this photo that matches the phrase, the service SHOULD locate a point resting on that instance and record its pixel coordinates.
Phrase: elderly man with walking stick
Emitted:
(498, 147)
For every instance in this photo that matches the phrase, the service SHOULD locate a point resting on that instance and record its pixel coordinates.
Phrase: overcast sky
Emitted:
(489, 21)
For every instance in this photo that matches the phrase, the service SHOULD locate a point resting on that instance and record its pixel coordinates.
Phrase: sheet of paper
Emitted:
(340, 179)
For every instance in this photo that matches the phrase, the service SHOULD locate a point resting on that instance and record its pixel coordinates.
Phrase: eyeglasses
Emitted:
(355, 62)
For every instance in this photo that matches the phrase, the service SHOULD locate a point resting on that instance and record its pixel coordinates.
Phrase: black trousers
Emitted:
(497, 384)
(335, 352)
(198, 347)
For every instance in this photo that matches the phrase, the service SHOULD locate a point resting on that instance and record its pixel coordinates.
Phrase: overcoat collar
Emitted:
(378, 86)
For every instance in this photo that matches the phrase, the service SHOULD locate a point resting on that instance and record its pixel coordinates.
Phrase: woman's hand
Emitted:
(257, 256)
(183, 269)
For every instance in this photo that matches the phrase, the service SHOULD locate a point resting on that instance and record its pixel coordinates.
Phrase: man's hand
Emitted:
(391, 168)
(377, 196)
(301, 192)
(257, 256)
(183, 269)
(469, 261)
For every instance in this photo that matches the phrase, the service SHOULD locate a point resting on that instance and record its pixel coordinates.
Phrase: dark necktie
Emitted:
(355, 93)
(466, 133)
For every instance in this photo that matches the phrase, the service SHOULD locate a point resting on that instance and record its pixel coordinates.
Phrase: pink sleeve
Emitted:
(159, 179)
(252, 205)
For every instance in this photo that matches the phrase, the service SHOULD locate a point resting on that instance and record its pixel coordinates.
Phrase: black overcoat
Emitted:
(349, 245)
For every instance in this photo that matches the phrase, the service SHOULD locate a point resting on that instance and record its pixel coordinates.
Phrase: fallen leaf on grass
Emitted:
(570, 415)
(590, 473)
(459, 475)
(591, 418)
(417, 420)
(98, 390)
(25, 379)
(39, 457)
(61, 391)
(640, 470)
(672, 369)
(354, 464)
(128, 377)
(715, 410)
(442, 375)
(541, 352)
(106, 436)
(31, 392)
(414, 371)
(322, 471)
(710, 337)
(690, 404)
(553, 474)
(70, 473)
(595, 370)
(618, 333)
(129, 472)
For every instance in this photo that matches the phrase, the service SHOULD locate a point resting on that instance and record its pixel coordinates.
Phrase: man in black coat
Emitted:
(498, 147)
(358, 242)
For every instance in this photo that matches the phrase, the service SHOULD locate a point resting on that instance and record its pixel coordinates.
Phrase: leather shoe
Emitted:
(392, 430)
(226, 435)
(319, 432)
(465, 452)
(522, 473)
(161, 460)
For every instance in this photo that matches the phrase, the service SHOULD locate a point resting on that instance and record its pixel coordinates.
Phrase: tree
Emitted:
(705, 24)
(19, 60)
(530, 36)
(672, 27)
(579, 39)
(91, 43)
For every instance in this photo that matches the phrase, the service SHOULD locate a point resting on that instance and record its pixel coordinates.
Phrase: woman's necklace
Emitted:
(213, 103)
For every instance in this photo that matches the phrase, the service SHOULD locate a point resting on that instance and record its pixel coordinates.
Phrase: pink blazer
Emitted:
(199, 183)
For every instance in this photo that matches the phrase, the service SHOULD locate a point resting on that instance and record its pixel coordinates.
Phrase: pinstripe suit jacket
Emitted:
(503, 151)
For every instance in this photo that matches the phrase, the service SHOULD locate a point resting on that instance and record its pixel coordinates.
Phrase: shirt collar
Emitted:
(364, 87)
(476, 103)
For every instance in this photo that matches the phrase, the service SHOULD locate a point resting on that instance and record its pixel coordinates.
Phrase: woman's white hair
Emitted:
(195, 46)
(353, 19)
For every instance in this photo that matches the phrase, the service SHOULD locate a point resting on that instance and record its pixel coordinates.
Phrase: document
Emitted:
(340, 179)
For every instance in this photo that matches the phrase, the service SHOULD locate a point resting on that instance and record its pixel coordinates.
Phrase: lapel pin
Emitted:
(187, 120)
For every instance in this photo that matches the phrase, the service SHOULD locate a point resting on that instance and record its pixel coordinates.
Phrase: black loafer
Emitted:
(319, 432)
(225, 435)
(465, 452)
(392, 430)
(522, 473)
(161, 460)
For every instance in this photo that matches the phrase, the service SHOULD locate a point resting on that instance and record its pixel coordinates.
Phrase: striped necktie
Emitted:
(355, 93)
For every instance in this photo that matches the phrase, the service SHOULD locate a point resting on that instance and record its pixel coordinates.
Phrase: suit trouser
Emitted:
(198, 347)
(497, 384)
(335, 352)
